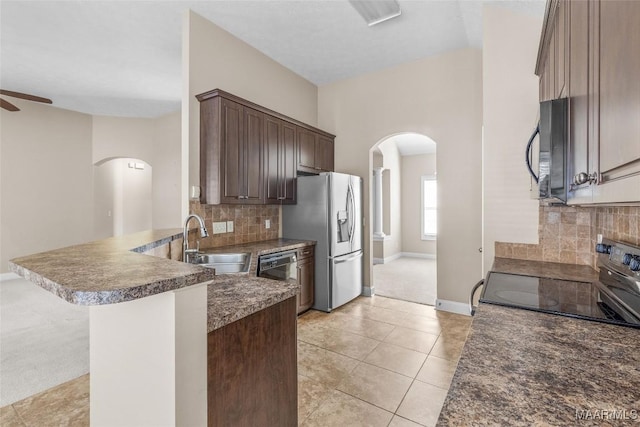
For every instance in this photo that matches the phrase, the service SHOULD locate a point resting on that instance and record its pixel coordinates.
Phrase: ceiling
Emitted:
(409, 144)
(123, 58)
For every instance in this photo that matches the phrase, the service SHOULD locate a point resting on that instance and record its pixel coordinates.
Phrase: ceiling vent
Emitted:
(376, 11)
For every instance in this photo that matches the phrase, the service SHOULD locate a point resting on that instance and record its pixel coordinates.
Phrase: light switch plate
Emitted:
(267, 223)
(229, 226)
(219, 227)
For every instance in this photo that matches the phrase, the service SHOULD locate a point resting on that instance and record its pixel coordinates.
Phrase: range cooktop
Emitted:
(615, 298)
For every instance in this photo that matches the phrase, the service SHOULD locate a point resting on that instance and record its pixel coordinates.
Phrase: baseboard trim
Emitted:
(392, 257)
(8, 276)
(453, 307)
(418, 255)
(368, 291)
(402, 254)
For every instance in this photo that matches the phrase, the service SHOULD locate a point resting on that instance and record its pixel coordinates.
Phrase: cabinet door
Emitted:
(551, 68)
(306, 150)
(579, 96)
(561, 50)
(306, 275)
(252, 374)
(619, 88)
(252, 152)
(241, 142)
(288, 157)
(324, 153)
(272, 136)
(280, 161)
(232, 143)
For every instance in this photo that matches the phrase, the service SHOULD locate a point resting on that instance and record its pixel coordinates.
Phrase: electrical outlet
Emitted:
(229, 226)
(267, 223)
(219, 227)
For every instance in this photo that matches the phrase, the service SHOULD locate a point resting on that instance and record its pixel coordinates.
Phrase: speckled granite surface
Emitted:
(524, 368)
(549, 270)
(233, 297)
(115, 270)
(261, 248)
(110, 271)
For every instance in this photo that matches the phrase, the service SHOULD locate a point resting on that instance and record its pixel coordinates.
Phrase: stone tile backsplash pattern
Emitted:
(248, 223)
(568, 234)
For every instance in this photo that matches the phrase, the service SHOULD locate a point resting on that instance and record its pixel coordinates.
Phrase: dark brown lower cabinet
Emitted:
(306, 277)
(252, 370)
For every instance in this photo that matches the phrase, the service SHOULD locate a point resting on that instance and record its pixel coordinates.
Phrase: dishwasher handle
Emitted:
(267, 262)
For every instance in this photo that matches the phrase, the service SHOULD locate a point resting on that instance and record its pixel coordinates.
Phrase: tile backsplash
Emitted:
(248, 223)
(568, 234)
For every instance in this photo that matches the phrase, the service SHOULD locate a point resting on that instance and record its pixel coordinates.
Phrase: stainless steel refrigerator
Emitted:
(329, 210)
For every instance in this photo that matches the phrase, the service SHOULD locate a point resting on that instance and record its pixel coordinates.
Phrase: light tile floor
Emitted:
(373, 362)
(377, 362)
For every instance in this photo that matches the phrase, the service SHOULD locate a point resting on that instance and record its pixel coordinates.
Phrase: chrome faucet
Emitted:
(186, 252)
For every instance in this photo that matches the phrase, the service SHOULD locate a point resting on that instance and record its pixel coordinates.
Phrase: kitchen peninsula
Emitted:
(153, 322)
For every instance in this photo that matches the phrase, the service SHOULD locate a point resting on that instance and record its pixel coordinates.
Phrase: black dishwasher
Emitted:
(279, 266)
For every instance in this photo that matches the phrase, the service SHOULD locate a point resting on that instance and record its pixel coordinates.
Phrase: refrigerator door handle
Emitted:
(349, 259)
(351, 216)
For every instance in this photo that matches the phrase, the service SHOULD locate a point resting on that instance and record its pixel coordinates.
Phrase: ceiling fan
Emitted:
(10, 107)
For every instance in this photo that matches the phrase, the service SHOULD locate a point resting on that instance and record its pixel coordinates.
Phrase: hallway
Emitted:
(408, 279)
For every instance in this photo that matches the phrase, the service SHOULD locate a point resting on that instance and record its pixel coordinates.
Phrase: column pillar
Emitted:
(377, 224)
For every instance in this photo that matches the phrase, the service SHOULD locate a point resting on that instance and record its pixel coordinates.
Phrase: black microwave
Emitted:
(552, 178)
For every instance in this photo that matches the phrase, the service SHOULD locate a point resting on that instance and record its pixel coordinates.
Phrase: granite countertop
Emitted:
(263, 247)
(111, 270)
(523, 368)
(231, 298)
(115, 270)
(548, 270)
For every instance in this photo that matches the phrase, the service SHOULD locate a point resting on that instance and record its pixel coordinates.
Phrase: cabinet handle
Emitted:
(281, 198)
(583, 178)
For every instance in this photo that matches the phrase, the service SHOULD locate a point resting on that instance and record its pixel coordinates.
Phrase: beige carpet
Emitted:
(408, 279)
(44, 341)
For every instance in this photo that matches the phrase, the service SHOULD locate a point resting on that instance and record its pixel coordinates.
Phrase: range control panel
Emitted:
(622, 256)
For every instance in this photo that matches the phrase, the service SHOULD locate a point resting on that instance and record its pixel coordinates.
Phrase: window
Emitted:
(429, 207)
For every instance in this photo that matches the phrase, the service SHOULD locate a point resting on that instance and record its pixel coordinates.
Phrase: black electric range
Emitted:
(615, 298)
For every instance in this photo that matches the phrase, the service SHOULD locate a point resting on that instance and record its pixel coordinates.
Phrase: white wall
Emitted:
(46, 180)
(122, 198)
(122, 137)
(136, 208)
(213, 58)
(157, 142)
(104, 176)
(510, 113)
(166, 164)
(413, 168)
(440, 97)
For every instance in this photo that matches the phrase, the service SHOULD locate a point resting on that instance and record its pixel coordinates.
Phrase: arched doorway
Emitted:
(404, 217)
(122, 192)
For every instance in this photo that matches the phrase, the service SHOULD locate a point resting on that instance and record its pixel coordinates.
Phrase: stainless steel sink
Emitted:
(226, 263)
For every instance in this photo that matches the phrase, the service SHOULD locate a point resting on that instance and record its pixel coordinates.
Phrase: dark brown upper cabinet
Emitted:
(251, 155)
(589, 53)
(617, 100)
(315, 153)
(280, 159)
(231, 153)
